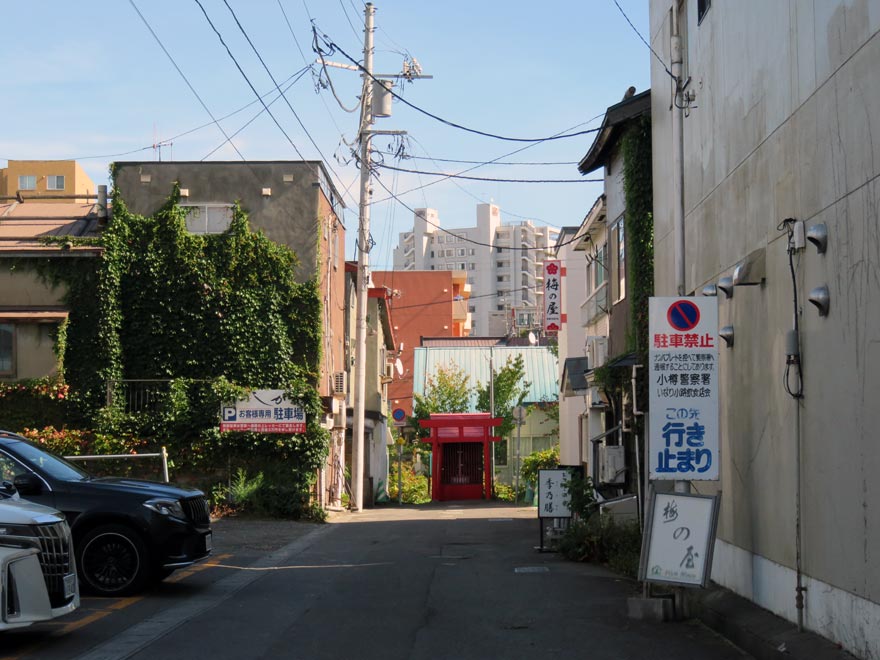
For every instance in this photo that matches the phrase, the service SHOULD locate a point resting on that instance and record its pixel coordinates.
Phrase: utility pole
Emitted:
(363, 272)
(365, 134)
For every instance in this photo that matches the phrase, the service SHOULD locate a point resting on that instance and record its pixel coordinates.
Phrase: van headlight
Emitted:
(165, 507)
(18, 536)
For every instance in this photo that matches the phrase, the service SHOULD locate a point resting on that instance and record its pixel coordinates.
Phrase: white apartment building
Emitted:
(503, 263)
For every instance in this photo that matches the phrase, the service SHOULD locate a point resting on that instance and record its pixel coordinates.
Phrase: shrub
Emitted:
(416, 488)
(539, 460)
(39, 402)
(602, 540)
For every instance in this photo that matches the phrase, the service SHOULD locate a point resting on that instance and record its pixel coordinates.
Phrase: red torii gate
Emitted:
(460, 471)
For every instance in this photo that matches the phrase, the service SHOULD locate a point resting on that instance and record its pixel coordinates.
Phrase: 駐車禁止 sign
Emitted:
(683, 388)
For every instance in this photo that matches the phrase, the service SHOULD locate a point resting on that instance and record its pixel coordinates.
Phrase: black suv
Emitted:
(125, 532)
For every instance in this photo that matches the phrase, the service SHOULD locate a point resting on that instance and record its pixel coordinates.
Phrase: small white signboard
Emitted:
(679, 539)
(264, 411)
(553, 498)
(683, 388)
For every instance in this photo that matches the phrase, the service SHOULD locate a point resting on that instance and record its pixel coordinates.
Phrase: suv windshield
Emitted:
(49, 463)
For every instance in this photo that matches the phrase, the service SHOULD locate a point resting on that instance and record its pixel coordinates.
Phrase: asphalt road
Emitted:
(455, 581)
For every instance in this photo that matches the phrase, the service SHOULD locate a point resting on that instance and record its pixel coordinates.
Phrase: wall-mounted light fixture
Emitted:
(725, 286)
(818, 236)
(710, 290)
(751, 271)
(821, 298)
(726, 333)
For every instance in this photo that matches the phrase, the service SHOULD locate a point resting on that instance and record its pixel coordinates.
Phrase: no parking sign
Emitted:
(683, 385)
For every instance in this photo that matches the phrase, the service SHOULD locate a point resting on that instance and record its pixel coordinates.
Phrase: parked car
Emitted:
(37, 574)
(126, 532)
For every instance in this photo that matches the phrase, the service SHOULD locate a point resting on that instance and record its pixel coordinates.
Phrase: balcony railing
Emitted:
(595, 306)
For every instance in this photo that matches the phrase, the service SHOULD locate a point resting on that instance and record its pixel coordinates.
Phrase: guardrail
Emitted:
(163, 455)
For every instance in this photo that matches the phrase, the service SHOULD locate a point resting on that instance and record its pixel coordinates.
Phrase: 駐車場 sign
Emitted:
(264, 411)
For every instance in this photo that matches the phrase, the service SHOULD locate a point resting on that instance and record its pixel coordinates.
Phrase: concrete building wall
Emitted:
(475, 250)
(292, 202)
(572, 343)
(786, 126)
(23, 288)
(421, 306)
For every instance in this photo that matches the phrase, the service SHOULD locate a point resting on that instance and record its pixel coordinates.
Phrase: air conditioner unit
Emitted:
(612, 464)
(340, 384)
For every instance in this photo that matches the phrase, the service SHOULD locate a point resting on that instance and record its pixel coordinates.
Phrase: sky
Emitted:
(88, 80)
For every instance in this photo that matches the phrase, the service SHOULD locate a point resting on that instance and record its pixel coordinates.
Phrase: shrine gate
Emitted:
(461, 455)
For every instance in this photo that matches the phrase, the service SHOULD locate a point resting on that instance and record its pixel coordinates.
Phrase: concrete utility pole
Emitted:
(363, 273)
(678, 102)
(369, 111)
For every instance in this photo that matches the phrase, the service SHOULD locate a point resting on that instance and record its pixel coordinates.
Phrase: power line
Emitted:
(465, 239)
(644, 41)
(292, 33)
(490, 162)
(482, 178)
(477, 162)
(250, 121)
(185, 79)
(275, 82)
(334, 47)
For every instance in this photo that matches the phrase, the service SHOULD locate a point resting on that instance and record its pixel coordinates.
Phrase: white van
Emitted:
(37, 571)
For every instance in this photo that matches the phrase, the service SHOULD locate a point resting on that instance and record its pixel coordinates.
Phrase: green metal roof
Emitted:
(541, 366)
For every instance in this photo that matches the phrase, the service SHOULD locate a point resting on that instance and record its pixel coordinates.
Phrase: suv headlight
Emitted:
(165, 507)
(18, 536)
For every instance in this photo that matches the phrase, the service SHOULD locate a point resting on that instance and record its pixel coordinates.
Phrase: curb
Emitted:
(757, 631)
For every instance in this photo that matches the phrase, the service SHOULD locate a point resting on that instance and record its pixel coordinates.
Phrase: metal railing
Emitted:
(163, 455)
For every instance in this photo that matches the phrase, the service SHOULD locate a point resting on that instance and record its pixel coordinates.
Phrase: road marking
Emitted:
(140, 635)
(301, 566)
(531, 569)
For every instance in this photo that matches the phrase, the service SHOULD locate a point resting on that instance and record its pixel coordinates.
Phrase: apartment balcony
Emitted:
(460, 310)
(595, 306)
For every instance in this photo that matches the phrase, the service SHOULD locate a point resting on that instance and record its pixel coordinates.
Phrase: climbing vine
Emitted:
(639, 227)
(212, 314)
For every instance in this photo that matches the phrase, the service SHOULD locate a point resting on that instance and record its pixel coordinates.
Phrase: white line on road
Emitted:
(149, 630)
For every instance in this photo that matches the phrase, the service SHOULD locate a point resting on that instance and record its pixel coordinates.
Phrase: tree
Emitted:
(445, 392)
(510, 391)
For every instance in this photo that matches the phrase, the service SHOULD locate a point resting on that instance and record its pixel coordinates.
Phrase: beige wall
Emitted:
(34, 351)
(23, 288)
(76, 181)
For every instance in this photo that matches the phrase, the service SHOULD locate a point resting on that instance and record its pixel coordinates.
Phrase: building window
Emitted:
(702, 8)
(450, 253)
(471, 252)
(7, 349)
(207, 218)
(460, 252)
(472, 308)
(472, 266)
(450, 265)
(498, 249)
(599, 265)
(462, 266)
(55, 182)
(432, 254)
(621, 261)
(27, 182)
(500, 308)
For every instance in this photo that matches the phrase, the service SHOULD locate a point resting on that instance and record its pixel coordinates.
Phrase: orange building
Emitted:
(53, 181)
(424, 303)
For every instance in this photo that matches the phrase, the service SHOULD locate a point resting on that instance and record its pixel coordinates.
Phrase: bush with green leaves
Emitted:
(601, 539)
(539, 460)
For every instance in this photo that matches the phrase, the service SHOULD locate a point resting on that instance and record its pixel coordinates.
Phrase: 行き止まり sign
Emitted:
(683, 388)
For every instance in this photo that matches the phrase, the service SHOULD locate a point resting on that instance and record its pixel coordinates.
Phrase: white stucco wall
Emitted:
(787, 125)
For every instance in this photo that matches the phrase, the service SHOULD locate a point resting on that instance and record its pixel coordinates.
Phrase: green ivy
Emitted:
(214, 314)
(639, 226)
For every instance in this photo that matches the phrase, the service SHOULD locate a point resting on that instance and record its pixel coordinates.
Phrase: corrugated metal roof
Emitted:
(540, 364)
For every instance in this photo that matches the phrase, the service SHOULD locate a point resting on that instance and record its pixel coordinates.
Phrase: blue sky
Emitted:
(92, 81)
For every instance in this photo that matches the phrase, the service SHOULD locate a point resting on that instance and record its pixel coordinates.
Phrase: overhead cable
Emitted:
(335, 48)
(486, 178)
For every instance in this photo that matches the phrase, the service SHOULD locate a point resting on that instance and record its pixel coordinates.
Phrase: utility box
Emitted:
(612, 464)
